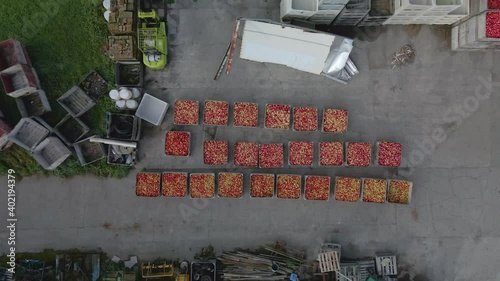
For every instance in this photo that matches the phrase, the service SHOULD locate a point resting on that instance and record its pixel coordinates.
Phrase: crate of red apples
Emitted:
(300, 153)
(271, 155)
(347, 189)
(174, 184)
(358, 154)
(246, 154)
(493, 4)
(261, 185)
(202, 185)
(216, 113)
(288, 186)
(489, 26)
(331, 153)
(388, 154)
(147, 184)
(215, 152)
(177, 143)
(246, 114)
(230, 185)
(277, 116)
(399, 191)
(334, 120)
(373, 190)
(317, 188)
(305, 118)
(186, 112)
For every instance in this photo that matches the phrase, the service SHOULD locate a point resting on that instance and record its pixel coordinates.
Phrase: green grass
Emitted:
(65, 40)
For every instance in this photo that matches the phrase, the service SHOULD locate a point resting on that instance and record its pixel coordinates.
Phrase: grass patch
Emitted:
(65, 40)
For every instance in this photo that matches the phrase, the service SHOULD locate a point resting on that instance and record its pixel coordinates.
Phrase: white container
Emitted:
(106, 15)
(120, 104)
(106, 4)
(136, 93)
(114, 94)
(125, 94)
(131, 104)
(152, 109)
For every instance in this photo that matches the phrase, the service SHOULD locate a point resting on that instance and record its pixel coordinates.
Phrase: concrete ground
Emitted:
(439, 108)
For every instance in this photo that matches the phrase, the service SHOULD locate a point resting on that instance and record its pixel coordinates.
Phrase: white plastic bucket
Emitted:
(114, 94)
(120, 104)
(125, 94)
(132, 104)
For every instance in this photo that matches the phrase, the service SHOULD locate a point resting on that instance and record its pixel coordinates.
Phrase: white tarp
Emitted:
(293, 47)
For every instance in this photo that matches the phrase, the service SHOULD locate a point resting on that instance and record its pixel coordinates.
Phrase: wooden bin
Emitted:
(35, 104)
(89, 152)
(20, 80)
(28, 133)
(70, 129)
(51, 153)
(12, 52)
(76, 102)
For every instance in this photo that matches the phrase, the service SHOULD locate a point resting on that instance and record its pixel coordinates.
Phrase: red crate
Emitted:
(271, 155)
(246, 114)
(389, 153)
(230, 185)
(216, 113)
(215, 152)
(202, 185)
(374, 190)
(305, 118)
(12, 52)
(317, 188)
(347, 189)
(300, 153)
(261, 185)
(288, 186)
(335, 120)
(399, 191)
(177, 143)
(358, 154)
(277, 116)
(246, 154)
(147, 184)
(186, 112)
(331, 153)
(174, 184)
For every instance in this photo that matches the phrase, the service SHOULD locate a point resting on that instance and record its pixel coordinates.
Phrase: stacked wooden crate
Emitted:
(479, 32)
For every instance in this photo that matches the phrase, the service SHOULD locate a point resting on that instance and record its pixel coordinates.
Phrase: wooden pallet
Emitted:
(329, 261)
(386, 265)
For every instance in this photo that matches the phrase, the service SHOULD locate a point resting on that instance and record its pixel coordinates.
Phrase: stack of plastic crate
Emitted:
(381, 10)
(353, 13)
(458, 14)
(479, 32)
(438, 12)
(328, 10)
(429, 11)
(297, 9)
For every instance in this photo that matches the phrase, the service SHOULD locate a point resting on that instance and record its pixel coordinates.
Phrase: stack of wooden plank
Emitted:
(268, 265)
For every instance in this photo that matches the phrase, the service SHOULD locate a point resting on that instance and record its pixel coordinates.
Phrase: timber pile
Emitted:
(271, 264)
